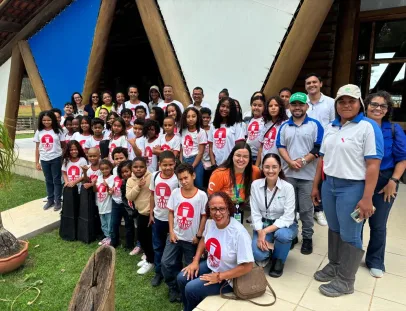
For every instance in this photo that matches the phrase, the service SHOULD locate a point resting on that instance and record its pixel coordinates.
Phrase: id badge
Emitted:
(237, 216)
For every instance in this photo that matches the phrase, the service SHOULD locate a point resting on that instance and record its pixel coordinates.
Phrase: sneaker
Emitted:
(249, 220)
(135, 251)
(141, 263)
(107, 241)
(48, 205)
(307, 247)
(320, 218)
(144, 257)
(57, 206)
(376, 273)
(145, 268)
(102, 241)
(158, 278)
(174, 295)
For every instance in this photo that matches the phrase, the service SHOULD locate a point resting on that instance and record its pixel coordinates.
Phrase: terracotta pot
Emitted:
(13, 262)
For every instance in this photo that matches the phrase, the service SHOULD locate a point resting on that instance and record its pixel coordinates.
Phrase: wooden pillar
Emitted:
(162, 48)
(35, 78)
(344, 53)
(100, 39)
(13, 92)
(297, 45)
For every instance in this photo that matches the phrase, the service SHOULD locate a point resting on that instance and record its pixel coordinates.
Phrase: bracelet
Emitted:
(218, 277)
(394, 179)
(198, 237)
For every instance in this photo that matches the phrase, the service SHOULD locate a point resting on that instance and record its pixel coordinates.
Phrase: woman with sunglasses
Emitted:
(94, 103)
(228, 245)
(379, 108)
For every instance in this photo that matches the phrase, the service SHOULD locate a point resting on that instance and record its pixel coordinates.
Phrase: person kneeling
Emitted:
(273, 216)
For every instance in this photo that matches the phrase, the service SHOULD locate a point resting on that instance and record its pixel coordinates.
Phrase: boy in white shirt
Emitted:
(187, 218)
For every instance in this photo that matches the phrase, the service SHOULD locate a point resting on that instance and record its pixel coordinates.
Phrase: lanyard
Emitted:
(267, 205)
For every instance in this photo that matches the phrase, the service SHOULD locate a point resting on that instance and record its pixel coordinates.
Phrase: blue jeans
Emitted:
(199, 171)
(53, 174)
(283, 240)
(160, 230)
(193, 291)
(340, 197)
(105, 220)
(118, 211)
(377, 222)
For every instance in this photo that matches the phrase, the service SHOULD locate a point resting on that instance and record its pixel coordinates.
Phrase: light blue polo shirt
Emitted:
(346, 147)
(323, 111)
(299, 141)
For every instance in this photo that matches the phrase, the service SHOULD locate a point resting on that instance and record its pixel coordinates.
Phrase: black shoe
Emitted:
(157, 280)
(48, 205)
(307, 247)
(57, 206)
(276, 268)
(294, 242)
(174, 295)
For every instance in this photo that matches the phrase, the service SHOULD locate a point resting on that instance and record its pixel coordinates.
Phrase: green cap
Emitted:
(298, 97)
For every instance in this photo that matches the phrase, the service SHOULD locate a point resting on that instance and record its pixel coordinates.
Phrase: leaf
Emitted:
(36, 246)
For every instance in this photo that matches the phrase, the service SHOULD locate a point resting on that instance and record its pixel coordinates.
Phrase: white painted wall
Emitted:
(227, 43)
(4, 75)
(368, 5)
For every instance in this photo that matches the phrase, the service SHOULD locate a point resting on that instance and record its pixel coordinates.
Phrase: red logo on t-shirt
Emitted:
(165, 147)
(117, 186)
(130, 204)
(112, 146)
(214, 251)
(82, 143)
(185, 215)
(253, 130)
(269, 138)
(220, 137)
(93, 177)
(73, 173)
(163, 192)
(188, 145)
(148, 155)
(101, 192)
(47, 142)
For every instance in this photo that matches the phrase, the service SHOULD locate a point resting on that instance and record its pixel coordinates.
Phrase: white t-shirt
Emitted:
(178, 103)
(187, 213)
(117, 188)
(162, 188)
(103, 198)
(81, 139)
(119, 142)
(92, 143)
(172, 144)
(73, 170)
(93, 174)
(206, 155)
(202, 105)
(224, 139)
(68, 137)
(267, 139)
(152, 159)
(228, 247)
(128, 105)
(191, 142)
(106, 133)
(140, 143)
(49, 144)
(254, 129)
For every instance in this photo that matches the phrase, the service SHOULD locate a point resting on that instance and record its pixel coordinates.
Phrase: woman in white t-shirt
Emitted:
(229, 254)
(225, 131)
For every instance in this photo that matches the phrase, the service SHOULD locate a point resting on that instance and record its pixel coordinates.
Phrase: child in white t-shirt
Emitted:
(94, 141)
(85, 132)
(68, 128)
(118, 136)
(151, 133)
(168, 141)
(256, 125)
(73, 159)
(91, 173)
(136, 141)
(49, 143)
(187, 218)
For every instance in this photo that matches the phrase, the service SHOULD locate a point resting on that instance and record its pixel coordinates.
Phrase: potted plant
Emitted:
(13, 252)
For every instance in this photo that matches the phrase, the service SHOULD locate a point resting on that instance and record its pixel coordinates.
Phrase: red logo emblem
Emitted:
(185, 215)
(82, 143)
(163, 192)
(47, 142)
(253, 130)
(220, 138)
(74, 173)
(188, 145)
(165, 147)
(112, 147)
(93, 177)
(269, 139)
(148, 155)
(214, 249)
(117, 186)
(101, 192)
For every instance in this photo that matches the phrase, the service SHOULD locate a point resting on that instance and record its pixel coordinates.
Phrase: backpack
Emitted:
(402, 179)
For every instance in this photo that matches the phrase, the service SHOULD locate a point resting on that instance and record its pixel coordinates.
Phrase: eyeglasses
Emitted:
(95, 96)
(214, 210)
(376, 105)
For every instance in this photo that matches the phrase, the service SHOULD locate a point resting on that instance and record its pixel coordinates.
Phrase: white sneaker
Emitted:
(141, 263)
(144, 257)
(320, 218)
(145, 268)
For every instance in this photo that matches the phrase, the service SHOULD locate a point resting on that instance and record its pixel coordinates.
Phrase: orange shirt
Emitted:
(220, 180)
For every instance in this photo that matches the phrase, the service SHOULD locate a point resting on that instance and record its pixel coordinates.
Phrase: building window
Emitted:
(381, 61)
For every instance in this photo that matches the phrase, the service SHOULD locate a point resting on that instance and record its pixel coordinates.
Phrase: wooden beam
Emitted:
(13, 93)
(9, 26)
(162, 48)
(35, 78)
(297, 46)
(39, 20)
(343, 56)
(100, 39)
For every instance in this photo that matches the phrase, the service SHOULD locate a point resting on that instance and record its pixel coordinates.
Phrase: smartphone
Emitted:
(355, 215)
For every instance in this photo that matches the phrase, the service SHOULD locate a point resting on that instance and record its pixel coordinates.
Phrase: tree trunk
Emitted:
(9, 244)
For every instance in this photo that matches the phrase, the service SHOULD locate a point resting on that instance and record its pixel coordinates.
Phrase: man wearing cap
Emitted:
(321, 108)
(351, 151)
(298, 143)
(154, 97)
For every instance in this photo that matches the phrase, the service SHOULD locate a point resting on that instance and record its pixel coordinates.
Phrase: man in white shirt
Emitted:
(168, 98)
(321, 108)
(134, 101)
(198, 96)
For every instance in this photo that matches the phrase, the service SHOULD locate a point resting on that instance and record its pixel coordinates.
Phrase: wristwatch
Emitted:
(198, 237)
(394, 179)
(304, 162)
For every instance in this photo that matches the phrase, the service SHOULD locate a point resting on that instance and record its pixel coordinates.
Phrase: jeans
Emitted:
(144, 234)
(53, 174)
(282, 239)
(118, 211)
(319, 208)
(172, 259)
(193, 291)
(160, 230)
(106, 224)
(340, 197)
(377, 222)
(304, 204)
(199, 171)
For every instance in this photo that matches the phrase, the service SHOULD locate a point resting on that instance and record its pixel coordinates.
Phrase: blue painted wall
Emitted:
(62, 49)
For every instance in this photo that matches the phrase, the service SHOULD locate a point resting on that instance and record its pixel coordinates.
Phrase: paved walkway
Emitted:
(26, 149)
(297, 290)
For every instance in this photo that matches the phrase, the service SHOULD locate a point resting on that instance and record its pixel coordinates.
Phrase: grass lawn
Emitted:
(25, 111)
(25, 135)
(59, 263)
(23, 189)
